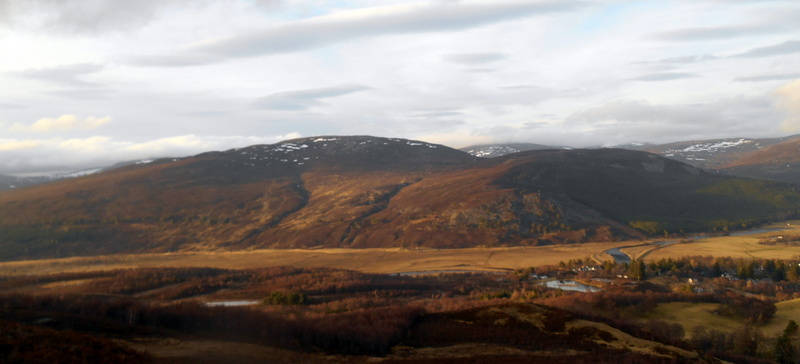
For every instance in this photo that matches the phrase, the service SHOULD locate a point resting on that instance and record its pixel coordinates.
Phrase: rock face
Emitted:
(361, 192)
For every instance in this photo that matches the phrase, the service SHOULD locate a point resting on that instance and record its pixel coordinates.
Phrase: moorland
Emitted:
(363, 249)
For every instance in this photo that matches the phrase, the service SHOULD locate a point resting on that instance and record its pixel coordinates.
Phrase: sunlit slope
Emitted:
(779, 162)
(359, 192)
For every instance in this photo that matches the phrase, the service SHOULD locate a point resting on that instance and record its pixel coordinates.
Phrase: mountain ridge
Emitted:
(370, 192)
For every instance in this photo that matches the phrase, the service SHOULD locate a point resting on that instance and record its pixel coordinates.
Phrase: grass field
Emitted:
(736, 246)
(397, 260)
(691, 315)
(364, 260)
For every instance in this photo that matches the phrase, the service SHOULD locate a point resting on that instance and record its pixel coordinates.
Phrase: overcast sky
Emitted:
(91, 82)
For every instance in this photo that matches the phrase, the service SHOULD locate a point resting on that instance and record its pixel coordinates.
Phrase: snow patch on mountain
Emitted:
(712, 147)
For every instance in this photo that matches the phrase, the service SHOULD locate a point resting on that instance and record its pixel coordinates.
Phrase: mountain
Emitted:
(780, 162)
(766, 158)
(712, 154)
(498, 150)
(363, 192)
(11, 182)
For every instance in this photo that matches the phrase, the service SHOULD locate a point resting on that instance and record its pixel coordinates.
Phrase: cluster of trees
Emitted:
(362, 331)
(21, 343)
(343, 311)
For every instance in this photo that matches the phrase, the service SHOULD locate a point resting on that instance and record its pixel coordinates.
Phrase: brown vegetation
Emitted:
(360, 193)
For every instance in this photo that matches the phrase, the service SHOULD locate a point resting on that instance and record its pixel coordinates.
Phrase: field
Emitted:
(154, 303)
(736, 246)
(423, 260)
(364, 260)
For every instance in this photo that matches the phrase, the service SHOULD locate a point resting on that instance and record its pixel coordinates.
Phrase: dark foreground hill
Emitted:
(362, 192)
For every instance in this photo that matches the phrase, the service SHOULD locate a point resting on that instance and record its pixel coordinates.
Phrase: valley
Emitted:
(364, 249)
(394, 261)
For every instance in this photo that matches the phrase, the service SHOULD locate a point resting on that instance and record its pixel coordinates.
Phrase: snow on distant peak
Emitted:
(492, 151)
(317, 140)
(713, 146)
(84, 172)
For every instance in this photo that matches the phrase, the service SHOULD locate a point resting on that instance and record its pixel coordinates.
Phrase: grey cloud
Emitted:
(521, 87)
(714, 115)
(82, 94)
(622, 121)
(207, 113)
(84, 16)
(772, 77)
(480, 70)
(720, 32)
(304, 99)
(69, 75)
(173, 60)
(663, 76)
(317, 32)
(536, 124)
(473, 58)
(790, 46)
(436, 114)
(11, 105)
(682, 59)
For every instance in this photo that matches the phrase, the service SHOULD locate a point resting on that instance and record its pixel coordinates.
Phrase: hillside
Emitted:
(11, 182)
(499, 150)
(710, 154)
(765, 158)
(780, 162)
(363, 192)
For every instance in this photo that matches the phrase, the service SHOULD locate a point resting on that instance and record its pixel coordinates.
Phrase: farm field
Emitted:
(736, 245)
(364, 260)
(424, 260)
(692, 315)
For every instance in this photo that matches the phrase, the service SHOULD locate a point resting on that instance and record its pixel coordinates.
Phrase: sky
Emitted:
(87, 83)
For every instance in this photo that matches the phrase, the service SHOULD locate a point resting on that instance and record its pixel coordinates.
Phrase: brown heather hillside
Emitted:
(360, 192)
(779, 162)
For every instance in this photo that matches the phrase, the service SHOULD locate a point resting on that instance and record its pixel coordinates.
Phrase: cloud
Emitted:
(436, 114)
(772, 77)
(633, 120)
(473, 58)
(304, 99)
(81, 94)
(663, 76)
(11, 106)
(62, 123)
(788, 99)
(718, 32)
(9, 145)
(83, 16)
(682, 59)
(172, 60)
(342, 26)
(789, 46)
(66, 75)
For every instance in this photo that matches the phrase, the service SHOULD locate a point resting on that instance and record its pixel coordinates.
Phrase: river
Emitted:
(620, 257)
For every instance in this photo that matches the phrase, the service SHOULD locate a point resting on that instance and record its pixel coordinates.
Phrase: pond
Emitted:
(232, 303)
(571, 286)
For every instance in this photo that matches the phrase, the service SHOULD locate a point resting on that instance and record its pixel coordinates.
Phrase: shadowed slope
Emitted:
(375, 192)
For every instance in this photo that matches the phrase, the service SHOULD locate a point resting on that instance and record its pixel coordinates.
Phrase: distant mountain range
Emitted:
(767, 158)
(362, 192)
(11, 182)
(734, 156)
